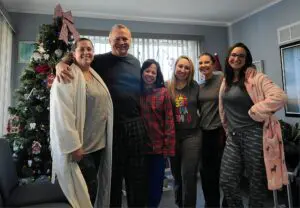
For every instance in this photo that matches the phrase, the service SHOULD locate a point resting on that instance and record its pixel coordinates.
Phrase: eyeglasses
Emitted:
(241, 56)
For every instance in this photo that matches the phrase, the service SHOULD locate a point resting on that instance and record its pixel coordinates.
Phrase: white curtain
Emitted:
(5, 72)
(162, 50)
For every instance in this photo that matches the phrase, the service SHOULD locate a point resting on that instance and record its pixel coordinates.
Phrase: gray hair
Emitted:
(118, 26)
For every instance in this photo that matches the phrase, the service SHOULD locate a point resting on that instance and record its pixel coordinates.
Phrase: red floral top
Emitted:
(156, 109)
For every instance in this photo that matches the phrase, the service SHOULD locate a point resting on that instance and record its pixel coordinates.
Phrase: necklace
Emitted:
(180, 85)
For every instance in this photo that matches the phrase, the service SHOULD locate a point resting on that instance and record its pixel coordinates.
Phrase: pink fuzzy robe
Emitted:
(267, 98)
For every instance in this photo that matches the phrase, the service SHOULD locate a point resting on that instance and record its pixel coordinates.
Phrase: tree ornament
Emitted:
(42, 69)
(41, 97)
(39, 108)
(30, 93)
(50, 79)
(32, 126)
(29, 163)
(13, 125)
(58, 53)
(15, 147)
(36, 56)
(41, 48)
(67, 24)
(36, 147)
(46, 56)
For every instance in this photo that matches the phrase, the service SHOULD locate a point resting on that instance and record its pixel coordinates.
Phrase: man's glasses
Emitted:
(241, 56)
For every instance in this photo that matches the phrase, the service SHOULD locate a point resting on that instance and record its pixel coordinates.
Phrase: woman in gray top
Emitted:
(184, 95)
(213, 132)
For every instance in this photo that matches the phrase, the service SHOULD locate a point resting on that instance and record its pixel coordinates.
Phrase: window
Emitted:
(290, 66)
(165, 51)
(5, 72)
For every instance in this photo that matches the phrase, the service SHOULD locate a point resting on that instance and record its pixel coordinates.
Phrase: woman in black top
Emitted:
(213, 132)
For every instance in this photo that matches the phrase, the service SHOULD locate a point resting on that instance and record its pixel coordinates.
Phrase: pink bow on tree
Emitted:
(68, 24)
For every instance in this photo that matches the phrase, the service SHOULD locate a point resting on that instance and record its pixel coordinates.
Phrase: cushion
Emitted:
(50, 205)
(1, 201)
(36, 193)
(8, 175)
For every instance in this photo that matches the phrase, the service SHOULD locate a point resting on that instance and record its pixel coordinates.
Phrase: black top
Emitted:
(122, 77)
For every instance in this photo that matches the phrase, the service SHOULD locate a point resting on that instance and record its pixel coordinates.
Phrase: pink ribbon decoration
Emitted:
(68, 24)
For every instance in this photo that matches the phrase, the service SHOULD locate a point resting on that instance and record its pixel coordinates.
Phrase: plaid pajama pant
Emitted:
(130, 146)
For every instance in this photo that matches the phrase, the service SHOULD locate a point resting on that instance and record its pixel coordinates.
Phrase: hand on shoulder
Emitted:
(63, 70)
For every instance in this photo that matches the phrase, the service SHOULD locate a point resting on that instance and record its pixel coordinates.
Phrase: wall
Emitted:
(259, 33)
(6, 15)
(27, 27)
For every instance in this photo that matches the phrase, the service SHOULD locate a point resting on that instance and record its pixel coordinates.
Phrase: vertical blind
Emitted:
(162, 50)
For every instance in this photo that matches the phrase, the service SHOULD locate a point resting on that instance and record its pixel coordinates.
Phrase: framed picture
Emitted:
(290, 67)
(26, 49)
(259, 65)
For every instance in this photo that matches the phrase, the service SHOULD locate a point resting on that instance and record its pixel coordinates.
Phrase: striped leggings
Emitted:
(244, 152)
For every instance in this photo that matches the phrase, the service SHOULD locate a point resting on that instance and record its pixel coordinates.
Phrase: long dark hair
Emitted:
(228, 73)
(159, 82)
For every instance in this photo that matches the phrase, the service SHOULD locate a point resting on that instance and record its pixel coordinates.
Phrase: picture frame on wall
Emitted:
(259, 65)
(290, 68)
(25, 51)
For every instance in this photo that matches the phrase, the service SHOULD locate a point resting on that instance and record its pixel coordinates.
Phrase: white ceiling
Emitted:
(207, 12)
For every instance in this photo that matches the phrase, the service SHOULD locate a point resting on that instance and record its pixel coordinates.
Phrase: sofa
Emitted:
(29, 195)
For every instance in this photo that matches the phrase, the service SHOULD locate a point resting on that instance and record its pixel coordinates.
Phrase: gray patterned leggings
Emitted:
(244, 152)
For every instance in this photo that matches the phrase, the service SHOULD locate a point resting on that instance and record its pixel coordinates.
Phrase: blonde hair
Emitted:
(172, 83)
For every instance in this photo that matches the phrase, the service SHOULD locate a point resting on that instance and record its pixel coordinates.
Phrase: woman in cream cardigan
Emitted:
(81, 114)
(247, 105)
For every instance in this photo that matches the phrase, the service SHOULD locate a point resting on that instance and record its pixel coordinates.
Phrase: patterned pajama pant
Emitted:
(129, 163)
(244, 151)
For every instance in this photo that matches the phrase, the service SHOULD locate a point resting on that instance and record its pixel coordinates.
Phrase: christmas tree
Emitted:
(28, 127)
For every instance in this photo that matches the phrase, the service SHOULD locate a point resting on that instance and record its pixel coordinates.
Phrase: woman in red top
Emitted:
(156, 109)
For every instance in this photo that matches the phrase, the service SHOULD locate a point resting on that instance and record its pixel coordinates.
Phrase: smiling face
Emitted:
(206, 66)
(150, 74)
(120, 40)
(183, 69)
(237, 58)
(84, 53)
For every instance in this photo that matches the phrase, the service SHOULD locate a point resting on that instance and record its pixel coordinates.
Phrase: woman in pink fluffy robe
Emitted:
(254, 143)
